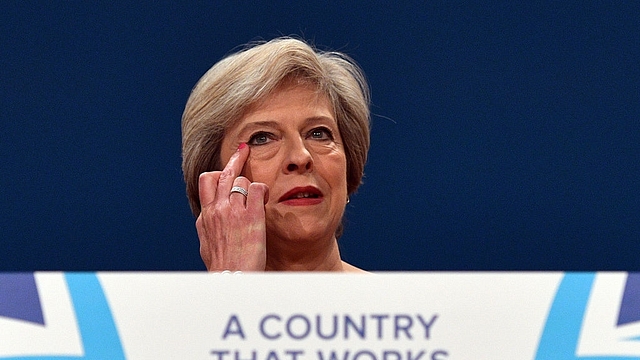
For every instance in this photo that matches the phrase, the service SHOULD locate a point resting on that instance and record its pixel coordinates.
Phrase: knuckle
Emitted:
(242, 179)
(227, 174)
(206, 176)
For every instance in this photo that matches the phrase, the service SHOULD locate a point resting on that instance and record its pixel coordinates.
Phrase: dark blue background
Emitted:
(505, 135)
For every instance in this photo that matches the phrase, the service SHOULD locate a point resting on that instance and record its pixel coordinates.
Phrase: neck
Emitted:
(303, 255)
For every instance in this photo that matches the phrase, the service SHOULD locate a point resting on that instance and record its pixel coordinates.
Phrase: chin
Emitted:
(301, 232)
(301, 226)
(306, 235)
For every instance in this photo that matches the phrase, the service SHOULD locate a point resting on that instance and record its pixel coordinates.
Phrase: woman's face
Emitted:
(296, 149)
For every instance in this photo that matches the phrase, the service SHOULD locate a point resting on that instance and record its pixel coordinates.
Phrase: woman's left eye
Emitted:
(320, 134)
(260, 138)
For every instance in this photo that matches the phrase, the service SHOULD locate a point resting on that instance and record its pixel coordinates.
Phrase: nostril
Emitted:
(292, 167)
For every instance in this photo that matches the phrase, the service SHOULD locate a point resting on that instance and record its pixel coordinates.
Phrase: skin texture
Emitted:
(284, 147)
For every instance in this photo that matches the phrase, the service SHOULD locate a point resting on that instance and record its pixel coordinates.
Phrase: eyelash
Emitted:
(323, 129)
(270, 136)
(252, 139)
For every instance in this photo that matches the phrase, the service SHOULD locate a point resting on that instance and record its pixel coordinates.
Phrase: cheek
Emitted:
(335, 169)
(264, 152)
(325, 149)
(260, 164)
(258, 170)
(263, 156)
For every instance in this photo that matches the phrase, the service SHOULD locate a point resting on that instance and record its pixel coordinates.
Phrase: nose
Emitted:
(299, 158)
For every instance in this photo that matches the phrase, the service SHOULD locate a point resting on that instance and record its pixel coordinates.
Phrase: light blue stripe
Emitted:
(559, 339)
(98, 332)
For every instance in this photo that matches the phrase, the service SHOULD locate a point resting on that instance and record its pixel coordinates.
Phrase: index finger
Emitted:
(233, 169)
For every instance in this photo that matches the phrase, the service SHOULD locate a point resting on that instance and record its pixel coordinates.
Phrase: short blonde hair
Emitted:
(231, 86)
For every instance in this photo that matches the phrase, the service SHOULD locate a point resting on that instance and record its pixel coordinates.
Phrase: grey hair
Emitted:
(231, 86)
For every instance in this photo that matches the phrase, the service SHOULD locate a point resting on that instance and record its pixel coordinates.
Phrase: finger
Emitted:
(236, 198)
(258, 198)
(233, 169)
(207, 185)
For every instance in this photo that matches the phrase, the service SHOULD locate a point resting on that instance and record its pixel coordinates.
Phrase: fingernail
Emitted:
(242, 146)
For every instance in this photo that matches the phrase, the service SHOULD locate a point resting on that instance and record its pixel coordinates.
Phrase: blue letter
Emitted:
(361, 352)
(237, 331)
(427, 326)
(435, 356)
(294, 353)
(414, 358)
(387, 353)
(319, 328)
(304, 333)
(360, 331)
(379, 318)
(405, 327)
(272, 355)
(264, 319)
(253, 355)
(220, 353)
(333, 355)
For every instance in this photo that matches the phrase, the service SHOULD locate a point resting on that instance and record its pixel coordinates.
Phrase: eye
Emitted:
(320, 133)
(260, 138)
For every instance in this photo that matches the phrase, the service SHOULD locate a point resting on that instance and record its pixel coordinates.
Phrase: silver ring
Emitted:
(240, 190)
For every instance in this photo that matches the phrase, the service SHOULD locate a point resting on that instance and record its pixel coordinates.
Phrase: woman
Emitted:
(274, 140)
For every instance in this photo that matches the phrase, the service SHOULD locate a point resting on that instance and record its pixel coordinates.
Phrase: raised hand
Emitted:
(231, 225)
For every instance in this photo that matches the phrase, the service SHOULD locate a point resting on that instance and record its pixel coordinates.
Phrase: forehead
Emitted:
(298, 90)
(300, 99)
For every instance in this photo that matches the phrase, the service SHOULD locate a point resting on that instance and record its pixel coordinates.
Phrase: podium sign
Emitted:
(320, 316)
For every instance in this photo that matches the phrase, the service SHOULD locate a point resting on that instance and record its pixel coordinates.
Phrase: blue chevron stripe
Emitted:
(97, 330)
(559, 339)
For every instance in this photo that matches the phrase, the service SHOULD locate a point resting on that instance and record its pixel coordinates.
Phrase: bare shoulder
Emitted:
(346, 267)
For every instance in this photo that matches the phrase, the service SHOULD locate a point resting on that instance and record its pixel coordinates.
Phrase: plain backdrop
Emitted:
(505, 135)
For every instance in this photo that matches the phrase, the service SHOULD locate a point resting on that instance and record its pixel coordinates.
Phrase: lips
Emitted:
(305, 193)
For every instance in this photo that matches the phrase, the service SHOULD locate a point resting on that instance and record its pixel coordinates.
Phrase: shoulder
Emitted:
(346, 267)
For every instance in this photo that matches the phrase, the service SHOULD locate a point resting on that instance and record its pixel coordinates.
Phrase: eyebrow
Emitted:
(266, 123)
(320, 118)
(275, 124)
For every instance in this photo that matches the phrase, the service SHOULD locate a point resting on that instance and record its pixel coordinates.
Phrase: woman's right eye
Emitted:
(260, 138)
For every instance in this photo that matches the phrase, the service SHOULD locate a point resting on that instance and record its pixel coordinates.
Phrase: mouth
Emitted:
(306, 192)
